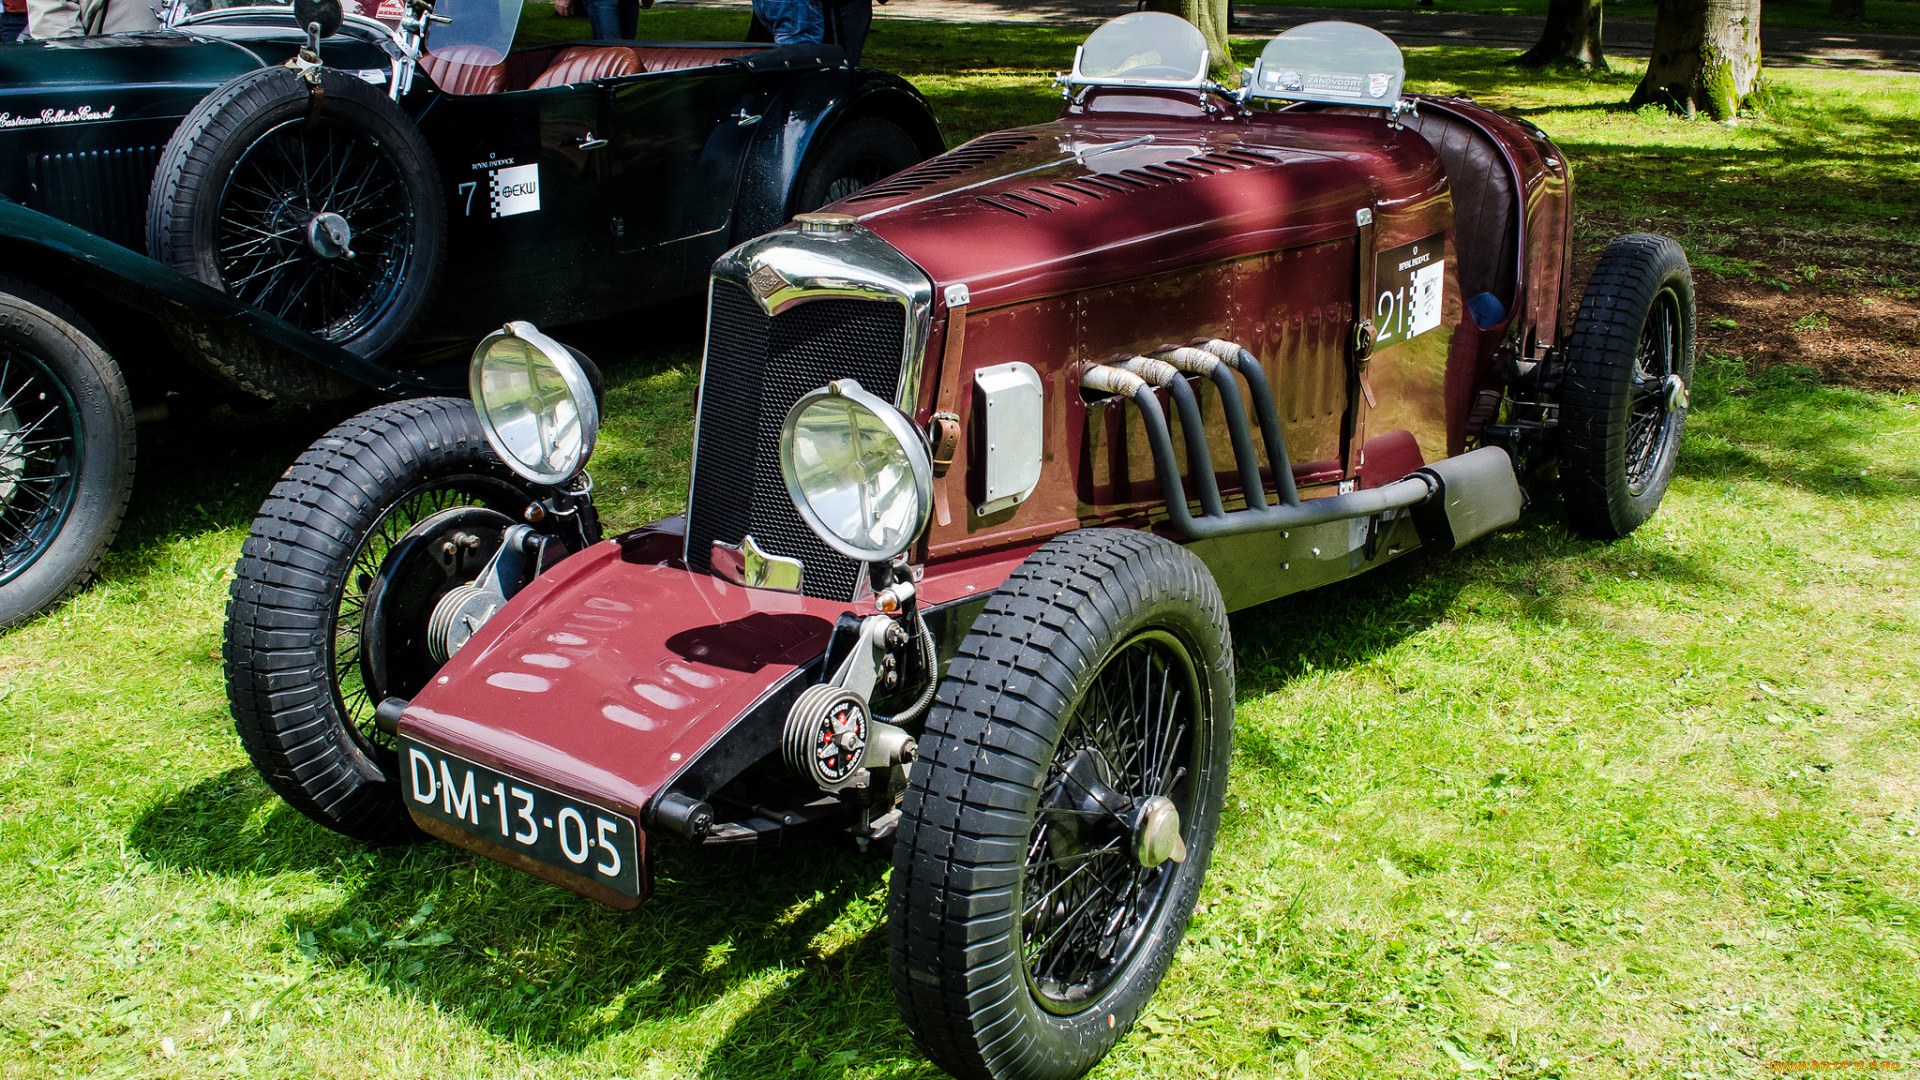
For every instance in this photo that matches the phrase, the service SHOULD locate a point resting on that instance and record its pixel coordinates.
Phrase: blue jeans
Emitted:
(613, 20)
(12, 25)
(793, 22)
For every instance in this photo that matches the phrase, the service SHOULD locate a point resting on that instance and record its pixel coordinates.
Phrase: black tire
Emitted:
(1621, 411)
(295, 680)
(254, 172)
(66, 451)
(988, 815)
(857, 154)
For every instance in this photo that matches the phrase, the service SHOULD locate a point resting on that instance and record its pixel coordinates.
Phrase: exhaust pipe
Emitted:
(1470, 495)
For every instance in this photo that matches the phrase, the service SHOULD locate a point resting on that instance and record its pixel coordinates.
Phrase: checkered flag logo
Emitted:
(515, 190)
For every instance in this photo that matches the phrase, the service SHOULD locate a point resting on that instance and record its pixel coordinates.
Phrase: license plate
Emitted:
(559, 830)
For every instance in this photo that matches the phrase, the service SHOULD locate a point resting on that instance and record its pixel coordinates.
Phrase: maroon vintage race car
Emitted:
(947, 583)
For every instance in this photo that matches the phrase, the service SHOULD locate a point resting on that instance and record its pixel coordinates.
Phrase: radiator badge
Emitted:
(766, 281)
(83, 114)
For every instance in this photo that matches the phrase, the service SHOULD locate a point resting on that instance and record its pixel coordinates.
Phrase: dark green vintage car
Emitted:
(294, 208)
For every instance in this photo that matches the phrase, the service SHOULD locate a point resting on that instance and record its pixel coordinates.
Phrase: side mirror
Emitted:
(325, 13)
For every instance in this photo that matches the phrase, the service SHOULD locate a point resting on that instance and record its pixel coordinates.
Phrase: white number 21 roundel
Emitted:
(1408, 283)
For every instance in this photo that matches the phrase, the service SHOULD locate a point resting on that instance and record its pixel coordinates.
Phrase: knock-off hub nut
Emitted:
(1156, 832)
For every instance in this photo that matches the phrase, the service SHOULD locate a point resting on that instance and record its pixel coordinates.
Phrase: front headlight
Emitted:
(536, 403)
(857, 471)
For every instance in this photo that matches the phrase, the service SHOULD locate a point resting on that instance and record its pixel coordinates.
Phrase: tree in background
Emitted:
(1211, 17)
(1847, 9)
(1571, 36)
(1706, 58)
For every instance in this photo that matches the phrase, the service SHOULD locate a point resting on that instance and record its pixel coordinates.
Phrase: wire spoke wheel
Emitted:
(1624, 391)
(41, 437)
(333, 594)
(319, 204)
(1056, 828)
(1650, 408)
(1086, 896)
(355, 699)
(315, 226)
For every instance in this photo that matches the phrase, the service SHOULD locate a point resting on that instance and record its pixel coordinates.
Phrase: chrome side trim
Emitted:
(790, 267)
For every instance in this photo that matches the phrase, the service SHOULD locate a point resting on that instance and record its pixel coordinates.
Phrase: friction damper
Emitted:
(826, 736)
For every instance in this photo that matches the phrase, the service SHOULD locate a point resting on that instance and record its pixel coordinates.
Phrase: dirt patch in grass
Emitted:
(1850, 330)
(1864, 337)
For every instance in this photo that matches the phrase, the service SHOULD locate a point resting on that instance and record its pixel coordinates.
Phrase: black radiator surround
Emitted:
(756, 368)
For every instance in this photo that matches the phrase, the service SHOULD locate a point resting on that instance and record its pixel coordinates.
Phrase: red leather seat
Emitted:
(584, 63)
(466, 69)
(668, 58)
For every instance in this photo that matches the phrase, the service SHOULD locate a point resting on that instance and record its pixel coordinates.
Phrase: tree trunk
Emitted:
(1847, 9)
(1211, 17)
(1571, 36)
(1706, 57)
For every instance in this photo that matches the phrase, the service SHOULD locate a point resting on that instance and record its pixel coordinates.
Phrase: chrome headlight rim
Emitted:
(579, 388)
(903, 431)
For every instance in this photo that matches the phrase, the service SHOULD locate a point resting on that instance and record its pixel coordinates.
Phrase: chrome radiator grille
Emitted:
(756, 368)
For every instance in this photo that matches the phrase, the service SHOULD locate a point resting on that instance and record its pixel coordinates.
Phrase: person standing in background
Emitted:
(800, 22)
(789, 22)
(13, 21)
(82, 18)
(609, 20)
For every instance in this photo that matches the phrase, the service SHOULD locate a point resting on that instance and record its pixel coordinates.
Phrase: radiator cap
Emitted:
(825, 223)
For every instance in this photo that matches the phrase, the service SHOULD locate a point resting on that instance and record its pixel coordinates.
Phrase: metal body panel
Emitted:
(1089, 273)
(794, 116)
(613, 668)
(1015, 406)
(611, 673)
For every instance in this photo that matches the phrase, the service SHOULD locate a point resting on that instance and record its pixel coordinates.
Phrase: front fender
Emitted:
(800, 117)
(243, 346)
(613, 671)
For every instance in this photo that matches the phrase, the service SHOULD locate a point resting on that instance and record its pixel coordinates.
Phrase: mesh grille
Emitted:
(757, 367)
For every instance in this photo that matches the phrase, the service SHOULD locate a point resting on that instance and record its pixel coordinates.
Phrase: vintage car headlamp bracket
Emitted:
(900, 429)
(536, 349)
(831, 736)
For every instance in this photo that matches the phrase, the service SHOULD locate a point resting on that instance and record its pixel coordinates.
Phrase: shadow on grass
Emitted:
(527, 961)
(231, 824)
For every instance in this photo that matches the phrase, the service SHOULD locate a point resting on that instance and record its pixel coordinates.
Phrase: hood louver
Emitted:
(945, 167)
(1046, 198)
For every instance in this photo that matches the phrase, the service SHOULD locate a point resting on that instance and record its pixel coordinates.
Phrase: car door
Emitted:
(526, 235)
(672, 174)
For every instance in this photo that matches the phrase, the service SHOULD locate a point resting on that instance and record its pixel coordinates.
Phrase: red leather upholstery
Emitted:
(466, 69)
(586, 63)
(666, 58)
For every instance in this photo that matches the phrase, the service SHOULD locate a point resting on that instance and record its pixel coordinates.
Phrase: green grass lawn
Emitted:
(1883, 16)
(1542, 808)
